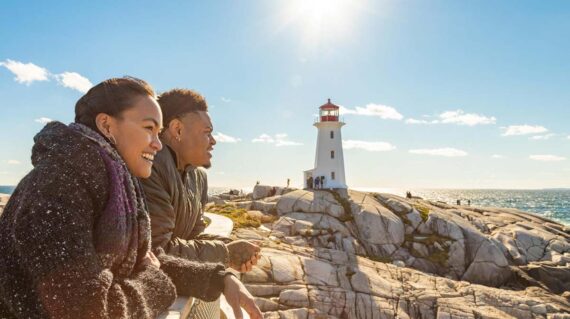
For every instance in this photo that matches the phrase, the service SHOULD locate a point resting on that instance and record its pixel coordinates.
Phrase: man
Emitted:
(177, 192)
(177, 189)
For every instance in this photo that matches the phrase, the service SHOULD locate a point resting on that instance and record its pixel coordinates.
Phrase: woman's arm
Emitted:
(54, 235)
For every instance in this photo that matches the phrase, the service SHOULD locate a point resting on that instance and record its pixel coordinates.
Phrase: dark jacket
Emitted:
(175, 202)
(49, 265)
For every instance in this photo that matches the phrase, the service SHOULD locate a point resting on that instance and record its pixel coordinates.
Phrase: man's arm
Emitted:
(201, 184)
(163, 221)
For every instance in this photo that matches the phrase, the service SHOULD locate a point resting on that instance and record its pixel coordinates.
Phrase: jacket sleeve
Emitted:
(201, 183)
(201, 280)
(163, 219)
(55, 243)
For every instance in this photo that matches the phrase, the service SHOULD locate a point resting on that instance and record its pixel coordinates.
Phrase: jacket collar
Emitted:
(181, 170)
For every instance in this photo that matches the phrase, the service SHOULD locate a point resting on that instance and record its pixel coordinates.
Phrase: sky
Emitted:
(434, 94)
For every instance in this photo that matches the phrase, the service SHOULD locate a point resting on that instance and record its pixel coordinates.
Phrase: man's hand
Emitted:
(243, 255)
(150, 259)
(237, 296)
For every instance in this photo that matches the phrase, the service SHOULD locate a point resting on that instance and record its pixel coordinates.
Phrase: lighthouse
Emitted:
(329, 159)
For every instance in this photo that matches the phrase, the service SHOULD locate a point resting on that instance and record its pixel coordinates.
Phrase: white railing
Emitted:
(182, 307)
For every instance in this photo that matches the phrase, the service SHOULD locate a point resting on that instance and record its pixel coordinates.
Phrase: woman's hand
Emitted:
(237, 296)
(150, 260)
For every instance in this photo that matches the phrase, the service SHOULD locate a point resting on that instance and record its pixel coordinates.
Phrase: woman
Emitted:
(74, 237)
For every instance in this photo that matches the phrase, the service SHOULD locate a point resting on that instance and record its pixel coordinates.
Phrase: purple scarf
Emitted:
(122, 230)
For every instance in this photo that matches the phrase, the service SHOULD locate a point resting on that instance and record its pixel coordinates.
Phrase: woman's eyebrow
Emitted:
(152, 120)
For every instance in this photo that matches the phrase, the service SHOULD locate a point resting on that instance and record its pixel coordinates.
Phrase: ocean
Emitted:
(6, 189)
(552, 203)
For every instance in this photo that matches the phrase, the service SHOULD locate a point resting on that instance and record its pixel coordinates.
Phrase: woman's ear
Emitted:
(104, 122)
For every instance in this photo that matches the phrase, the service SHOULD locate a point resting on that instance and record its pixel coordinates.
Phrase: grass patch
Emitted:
(385, 260)
(436, 256)
(405, 219)
(424, 211)
(439, 257)
(345, 203)
(427, 240)
(239, 216)
(346, 218)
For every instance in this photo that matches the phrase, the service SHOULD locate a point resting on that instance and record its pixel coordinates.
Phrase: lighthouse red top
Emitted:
(329, 112)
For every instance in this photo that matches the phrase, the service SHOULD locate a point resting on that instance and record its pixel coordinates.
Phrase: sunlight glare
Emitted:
(322, 21)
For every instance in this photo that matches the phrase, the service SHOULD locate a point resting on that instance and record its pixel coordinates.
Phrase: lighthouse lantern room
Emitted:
(329, 160)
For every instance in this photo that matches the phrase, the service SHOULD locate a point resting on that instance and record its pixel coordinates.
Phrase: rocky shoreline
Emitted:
(348, 254)
(3, 200)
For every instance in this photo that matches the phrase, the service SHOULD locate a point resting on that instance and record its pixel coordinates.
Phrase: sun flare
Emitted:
(322, 21)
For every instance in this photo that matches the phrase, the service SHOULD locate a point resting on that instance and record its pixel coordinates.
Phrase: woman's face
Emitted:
(136, 134)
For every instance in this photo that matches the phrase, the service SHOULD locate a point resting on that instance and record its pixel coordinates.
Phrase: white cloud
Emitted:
(568, 137)
(547, 158)
(74, 80)
(43, 120)
(446, 151)
(461, 118)
(368, 146)
(13, 162)
(371, 109)
(414, 121)
(287, 143)
(226, 100)
(458, 117)
(263, 138)
(223, 138)
(542, 137)
(497, 156)
(524, 129)
(26, 73)
(277, 139)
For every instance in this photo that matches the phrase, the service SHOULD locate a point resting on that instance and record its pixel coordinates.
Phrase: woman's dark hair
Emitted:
(112, 97)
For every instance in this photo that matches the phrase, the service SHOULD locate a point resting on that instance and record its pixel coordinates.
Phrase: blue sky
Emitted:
(435, 94)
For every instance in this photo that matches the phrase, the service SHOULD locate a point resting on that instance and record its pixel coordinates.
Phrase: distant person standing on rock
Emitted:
(177, 189)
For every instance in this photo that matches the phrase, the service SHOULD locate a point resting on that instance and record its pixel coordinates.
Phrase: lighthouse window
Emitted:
(332, 134)
(332, 175)
(332, 154)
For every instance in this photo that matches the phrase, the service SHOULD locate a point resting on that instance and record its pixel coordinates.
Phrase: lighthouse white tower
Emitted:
(329, 159)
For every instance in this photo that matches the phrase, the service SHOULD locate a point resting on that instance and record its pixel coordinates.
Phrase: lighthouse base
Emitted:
(313, 180)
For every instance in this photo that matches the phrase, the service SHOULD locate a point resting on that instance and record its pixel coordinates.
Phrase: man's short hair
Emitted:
(178, 102)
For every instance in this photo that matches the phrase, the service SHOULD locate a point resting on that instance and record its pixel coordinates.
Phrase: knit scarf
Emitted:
(122, 230)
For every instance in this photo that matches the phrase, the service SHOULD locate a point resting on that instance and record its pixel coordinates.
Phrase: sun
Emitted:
(322, 21)
(321, 11)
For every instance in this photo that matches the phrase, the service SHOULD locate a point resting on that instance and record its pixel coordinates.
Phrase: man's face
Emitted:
(196, 140)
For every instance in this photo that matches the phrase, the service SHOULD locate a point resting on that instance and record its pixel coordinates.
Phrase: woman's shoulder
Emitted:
(65, 161)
